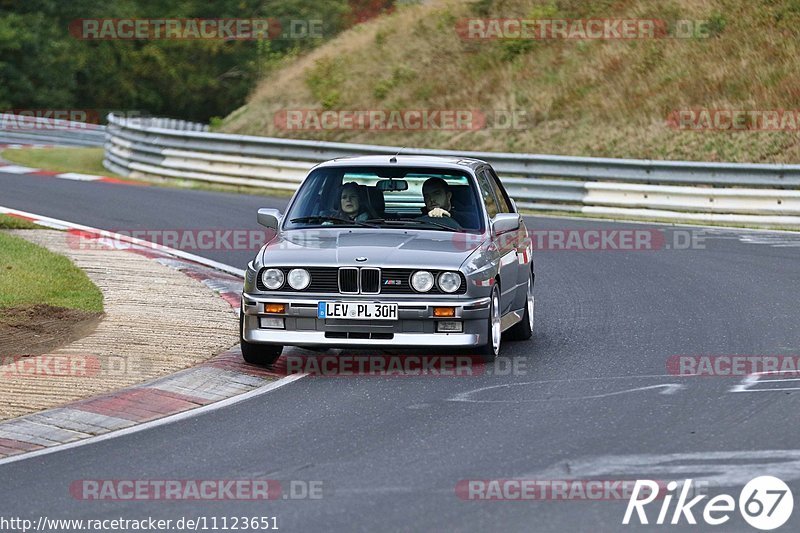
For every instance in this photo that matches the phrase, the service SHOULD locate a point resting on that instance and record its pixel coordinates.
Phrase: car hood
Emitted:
(380, 247)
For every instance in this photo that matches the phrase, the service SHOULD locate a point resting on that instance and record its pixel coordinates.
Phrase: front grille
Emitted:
(370, 280)
(396, 281)
(357, 335)
(322, 280)
(332, 280)
(348, 280)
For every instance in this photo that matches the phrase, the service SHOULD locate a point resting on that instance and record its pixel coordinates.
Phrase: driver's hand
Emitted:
(438, 212)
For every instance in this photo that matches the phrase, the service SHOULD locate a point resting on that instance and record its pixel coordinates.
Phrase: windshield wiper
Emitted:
(324, 218)
(406, 221)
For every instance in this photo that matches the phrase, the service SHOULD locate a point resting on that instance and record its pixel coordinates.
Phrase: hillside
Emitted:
(577, 97)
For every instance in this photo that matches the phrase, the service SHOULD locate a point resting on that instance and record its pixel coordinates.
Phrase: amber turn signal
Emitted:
(274, 308)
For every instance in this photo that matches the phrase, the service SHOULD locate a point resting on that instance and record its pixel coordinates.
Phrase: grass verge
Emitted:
(8, 222)
(90, 161)
(61, 159)
(30, 274)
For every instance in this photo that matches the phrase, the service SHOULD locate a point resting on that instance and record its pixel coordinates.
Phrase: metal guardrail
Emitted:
(23, 129)
(759, 194)
(40, 130)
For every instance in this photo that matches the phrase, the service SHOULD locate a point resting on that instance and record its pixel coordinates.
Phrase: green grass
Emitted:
(82, 160)
(7, 222)
(31, 275)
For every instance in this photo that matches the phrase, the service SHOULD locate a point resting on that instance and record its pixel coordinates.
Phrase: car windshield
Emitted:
(387, 197)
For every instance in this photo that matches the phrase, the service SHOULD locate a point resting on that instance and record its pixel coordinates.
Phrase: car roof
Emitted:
(390, 160)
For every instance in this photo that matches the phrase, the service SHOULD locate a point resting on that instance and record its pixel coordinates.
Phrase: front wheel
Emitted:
(491, 349)
(523, 330)
(257, 354)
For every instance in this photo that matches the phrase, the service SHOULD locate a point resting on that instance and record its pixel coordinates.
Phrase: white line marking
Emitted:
(16, 169)
(197, 411)
(724, 468)
(669, 388)
(766, 390)
(745, 384)
(755, 378)
(61, 224)
(78, 177)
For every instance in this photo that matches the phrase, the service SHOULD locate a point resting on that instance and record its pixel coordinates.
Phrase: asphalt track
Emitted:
(591, 398)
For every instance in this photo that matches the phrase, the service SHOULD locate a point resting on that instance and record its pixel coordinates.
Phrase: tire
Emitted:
(257, 354)
(491, 349)
(524, 329)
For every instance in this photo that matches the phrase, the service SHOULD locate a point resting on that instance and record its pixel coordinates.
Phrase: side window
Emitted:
(503, 201)
(487, 193)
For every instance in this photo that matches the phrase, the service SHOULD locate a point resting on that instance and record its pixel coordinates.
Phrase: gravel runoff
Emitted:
(157, 321)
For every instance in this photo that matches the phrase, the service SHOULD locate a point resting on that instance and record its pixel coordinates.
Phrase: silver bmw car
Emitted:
(401, 251)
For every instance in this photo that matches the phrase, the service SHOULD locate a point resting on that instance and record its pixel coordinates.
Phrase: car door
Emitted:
(505, 243)
(522, 241)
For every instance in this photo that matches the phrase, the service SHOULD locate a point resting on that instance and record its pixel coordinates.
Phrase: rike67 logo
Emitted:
(765, 503)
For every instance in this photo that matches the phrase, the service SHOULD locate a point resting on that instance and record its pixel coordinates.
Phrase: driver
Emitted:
(438, 201)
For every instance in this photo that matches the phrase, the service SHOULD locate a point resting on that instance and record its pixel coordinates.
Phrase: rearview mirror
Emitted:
(392, 185)
(505, 222)
(269, 218)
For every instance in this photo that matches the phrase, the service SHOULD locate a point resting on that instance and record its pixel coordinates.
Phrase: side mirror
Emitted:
(269, 218)
(505, 222)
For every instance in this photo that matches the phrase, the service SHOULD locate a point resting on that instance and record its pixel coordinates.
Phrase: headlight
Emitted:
(299, 279)
(422, 281)
(449, 281)
(272, 278)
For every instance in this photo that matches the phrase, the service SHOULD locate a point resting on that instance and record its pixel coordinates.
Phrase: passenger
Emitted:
(350, 204)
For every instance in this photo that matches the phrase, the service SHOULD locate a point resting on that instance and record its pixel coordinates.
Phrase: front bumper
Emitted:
(415, 325)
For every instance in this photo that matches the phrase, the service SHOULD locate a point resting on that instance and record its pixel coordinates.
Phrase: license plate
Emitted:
(357, 311)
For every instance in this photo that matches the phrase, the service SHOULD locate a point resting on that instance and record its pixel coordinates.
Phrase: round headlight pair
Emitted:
(422, 281)
(273, 278)
(449, 281)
